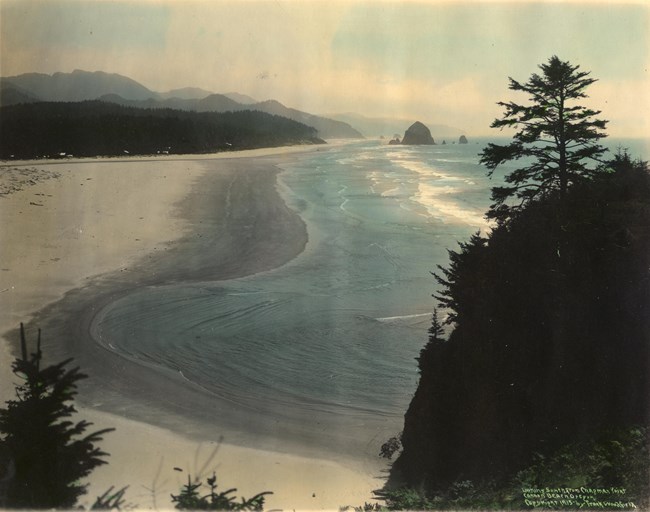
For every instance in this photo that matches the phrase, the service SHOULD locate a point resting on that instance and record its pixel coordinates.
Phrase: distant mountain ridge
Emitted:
(110, 87)
(327, 128)
(78, 85)
(185, 93)
(244, 99)
(389, 126)
(211, 103)
(12, 94)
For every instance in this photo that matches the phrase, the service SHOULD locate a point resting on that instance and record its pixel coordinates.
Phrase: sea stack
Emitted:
(417, 134)
(462, 140)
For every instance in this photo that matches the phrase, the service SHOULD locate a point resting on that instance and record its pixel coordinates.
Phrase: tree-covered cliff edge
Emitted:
(543, 381)
(551, 337)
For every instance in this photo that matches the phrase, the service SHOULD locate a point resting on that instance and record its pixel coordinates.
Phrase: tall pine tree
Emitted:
(556, 139)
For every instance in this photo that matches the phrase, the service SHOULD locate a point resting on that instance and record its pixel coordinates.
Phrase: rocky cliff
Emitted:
(417, 134)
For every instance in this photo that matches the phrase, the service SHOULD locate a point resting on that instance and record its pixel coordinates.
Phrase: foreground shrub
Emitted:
(190, 499)
(49, 454)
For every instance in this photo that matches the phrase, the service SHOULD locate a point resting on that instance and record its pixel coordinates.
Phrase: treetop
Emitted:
(555, 139)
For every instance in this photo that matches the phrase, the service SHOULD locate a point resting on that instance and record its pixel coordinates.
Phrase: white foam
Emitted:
(436, 195)
(391, 193)
(402, 317)
(433, 199)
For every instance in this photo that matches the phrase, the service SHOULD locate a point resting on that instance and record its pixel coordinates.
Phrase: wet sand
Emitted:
(104, 228)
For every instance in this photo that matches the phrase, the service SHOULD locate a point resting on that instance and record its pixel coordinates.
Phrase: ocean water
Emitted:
(336, 330)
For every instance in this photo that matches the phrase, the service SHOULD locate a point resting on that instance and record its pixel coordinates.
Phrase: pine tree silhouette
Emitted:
(50, 453)
(556, 141)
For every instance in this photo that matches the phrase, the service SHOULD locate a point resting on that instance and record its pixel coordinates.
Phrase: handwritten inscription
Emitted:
(606, 498)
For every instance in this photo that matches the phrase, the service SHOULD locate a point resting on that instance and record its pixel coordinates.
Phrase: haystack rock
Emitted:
(417, 134)
(462, 140)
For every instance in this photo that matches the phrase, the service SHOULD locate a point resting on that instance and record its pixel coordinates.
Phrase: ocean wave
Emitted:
(439, 204)
(403, 317)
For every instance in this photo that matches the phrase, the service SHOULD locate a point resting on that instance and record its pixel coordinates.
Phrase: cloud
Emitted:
(71, 25)
(625, 103)
(446, 61)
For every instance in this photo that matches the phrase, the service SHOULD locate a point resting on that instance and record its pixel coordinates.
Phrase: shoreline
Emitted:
(110, 389)
(223, 155)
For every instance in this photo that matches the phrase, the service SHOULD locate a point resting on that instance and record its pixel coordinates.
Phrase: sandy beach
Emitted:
(77, 235)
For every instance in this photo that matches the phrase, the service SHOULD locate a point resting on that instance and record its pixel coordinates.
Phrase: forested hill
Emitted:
(93, 128)
(326, 128)
(544, 379)
(111, 87)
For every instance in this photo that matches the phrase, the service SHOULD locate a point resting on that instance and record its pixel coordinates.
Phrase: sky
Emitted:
(439, 61)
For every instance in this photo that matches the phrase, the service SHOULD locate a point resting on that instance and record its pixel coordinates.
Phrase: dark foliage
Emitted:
(434, 345)
(111, 500)
(92, 128)
(391, 447)
(614, 460)
(190, 499)
(555, 139)
(51, 453)
(551, 338)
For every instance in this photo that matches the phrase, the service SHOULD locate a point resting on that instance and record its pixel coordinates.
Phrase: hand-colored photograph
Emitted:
(324, 255)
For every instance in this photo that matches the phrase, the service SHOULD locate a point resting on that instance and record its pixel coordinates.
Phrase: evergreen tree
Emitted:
(190, 499)
(436, 340)
(556, 139)
(461, 281)
(516, 378)
(435, 331)
(49, 456)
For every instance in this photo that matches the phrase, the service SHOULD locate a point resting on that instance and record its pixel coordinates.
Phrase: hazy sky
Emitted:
(437, 61)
